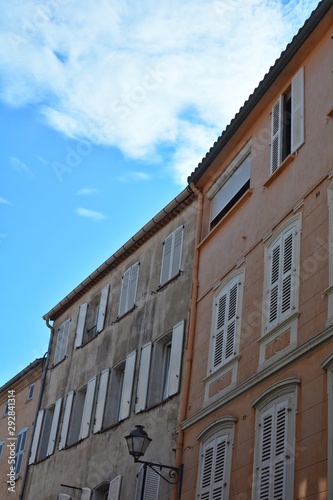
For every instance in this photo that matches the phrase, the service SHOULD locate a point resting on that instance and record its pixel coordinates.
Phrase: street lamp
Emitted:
(138, 442)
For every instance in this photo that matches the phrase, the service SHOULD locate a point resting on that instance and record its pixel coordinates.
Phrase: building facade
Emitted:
(258, 416)
(115, 361)
(18, 404)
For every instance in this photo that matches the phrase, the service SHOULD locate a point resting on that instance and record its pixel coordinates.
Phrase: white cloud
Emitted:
(87, 191)
(18, 165)
(3, 201)
(134, 176)
(91, 214)
(140, 75)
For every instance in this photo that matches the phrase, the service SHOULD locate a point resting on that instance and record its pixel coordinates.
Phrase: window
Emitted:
(166, 367)
(91, 318)
(128, 289)
(108, 491)
(287, 122)
(19, 451)
(119, 394)
(31, 392)
(215, 459)
(147, 484)
(1, 447)
(5, 411)
(143, 378)
(45, 432)
(172, 254)
(274, 446)
(226, 322)
(85, 494)
(62, 340)
(83, 400)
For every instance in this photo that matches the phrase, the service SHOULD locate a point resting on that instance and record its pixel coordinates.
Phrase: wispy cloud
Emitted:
(134, 176)
(87, 191)
(3, 201)
(90, 214)
(20, 166)
(159, 69)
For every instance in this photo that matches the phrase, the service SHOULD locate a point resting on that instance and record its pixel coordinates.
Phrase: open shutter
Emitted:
(287, 272)
(126, 393)
(54, 428)
(124, 292)
(102, 308)
(35, 440)
(152, 485)
(64, 496)
(297, 110)
(166, 259)
(133, 285)
(140, 479)
(62, 340)
(219, 334)
(274, 282)
(177, 251)
(85, 494)
(176, 358)
(87, 409)
(101, 397)
(114, 489)
(207, 470)
(231, 321)
(143, 378)
(66, 418)
(276, 134)
(80, 325)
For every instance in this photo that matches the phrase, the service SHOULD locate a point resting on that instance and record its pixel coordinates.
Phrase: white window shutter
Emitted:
(139, 483)
(54, 427)
(280, 450)
(101, 398)
(219, 467)
(114, 488)
(102, 308)
(166, 259)
(143, 378)
(177, 251)
(231, 322)
(65, 422)
(297, 110)
(274, 284)
(287, 272)
(87, 409)
(35, 441)
(276, 135)
(62, 340)
(19, 451)
(214, 461)
(207, 470)
(126, 393)
(176, 358)
(133, 285)
(64, 496)
(85, 494)
(124, 292)
(220, 325)
(80, 325)
(152, 485)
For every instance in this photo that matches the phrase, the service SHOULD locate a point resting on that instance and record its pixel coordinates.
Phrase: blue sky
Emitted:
(106, 108)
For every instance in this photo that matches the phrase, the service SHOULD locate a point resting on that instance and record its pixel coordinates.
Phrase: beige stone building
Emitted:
(258, 420)
(116, 361)
(18, 403)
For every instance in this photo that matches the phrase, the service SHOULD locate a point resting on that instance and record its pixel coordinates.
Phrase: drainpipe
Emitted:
(190, 340)
(40, 395)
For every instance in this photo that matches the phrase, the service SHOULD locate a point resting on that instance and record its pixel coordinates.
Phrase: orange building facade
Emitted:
(258, 415)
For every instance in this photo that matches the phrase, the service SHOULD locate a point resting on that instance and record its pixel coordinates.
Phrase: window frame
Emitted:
(81, 413)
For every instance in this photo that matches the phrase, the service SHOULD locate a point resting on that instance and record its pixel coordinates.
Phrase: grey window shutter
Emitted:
(276, 134)
(133, 285)
(151, 486)
(36, 437)
(231, 321)
(80, 325)
(62, 340)
(20, 448)
(166, 259)
(102, 308)
(124, 292)
(287, 272)
(87, 409)
(176, 358)
(220, 325)
(114, 488)
(274, 283)
(126, 393)
(207, 470)
(297, 110)
(143, 378)
(139, 483)
(66, 419)
(54, 427)
(101, 398)
(214, 460)
(219, 467)
(85, 494)
(177, 251)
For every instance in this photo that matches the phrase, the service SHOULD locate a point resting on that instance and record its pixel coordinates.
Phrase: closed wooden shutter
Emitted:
(65, 422)
(102, 309)
(176, 358)
(226, 316)
(114, 489)
(143, 378)
(126, 393)
(54, 427)
(80, 325)
(19, 451)
(147, 486)
(87, 409)
(35, 441)
(297, 110)
(213, 481)
(276, 134)
(101, 397)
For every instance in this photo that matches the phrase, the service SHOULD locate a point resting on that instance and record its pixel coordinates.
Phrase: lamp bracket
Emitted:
(175, 473)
